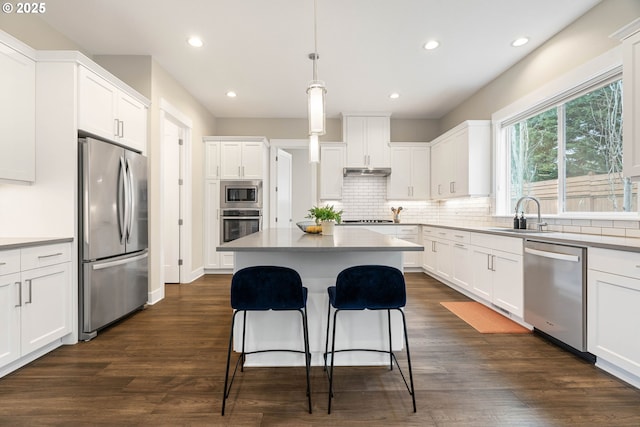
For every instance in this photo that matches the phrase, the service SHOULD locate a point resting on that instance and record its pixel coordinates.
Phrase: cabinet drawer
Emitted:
(619, 262)
(42, 256)
(506, 244)
(9, 261)
(407, 230)
(460, 236)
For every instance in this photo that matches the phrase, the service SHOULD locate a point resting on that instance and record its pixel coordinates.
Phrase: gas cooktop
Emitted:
(367, 221)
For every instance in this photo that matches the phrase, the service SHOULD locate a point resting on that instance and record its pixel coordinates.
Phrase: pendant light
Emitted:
(316, 99)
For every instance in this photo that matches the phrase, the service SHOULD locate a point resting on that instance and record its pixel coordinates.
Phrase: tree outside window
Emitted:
(570, 156)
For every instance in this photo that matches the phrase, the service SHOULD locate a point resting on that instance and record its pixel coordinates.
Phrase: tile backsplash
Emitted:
(366, 198)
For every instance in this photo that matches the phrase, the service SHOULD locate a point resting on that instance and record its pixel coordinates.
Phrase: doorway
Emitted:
(175, 201)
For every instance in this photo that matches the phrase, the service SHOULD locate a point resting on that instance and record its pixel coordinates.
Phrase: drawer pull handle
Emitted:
(459, 245)
(50, 255)
(30, 292)
(459, 236)
(4, 263)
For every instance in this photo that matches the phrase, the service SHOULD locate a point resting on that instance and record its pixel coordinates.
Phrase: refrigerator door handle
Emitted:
(123, 216)
(119, 262)
(131, 199)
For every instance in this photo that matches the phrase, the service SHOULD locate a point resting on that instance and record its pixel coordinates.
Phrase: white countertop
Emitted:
(22, 242)
(345, 239)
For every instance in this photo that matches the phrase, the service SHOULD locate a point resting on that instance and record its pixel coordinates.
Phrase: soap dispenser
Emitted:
(523, 221)
(516, 221)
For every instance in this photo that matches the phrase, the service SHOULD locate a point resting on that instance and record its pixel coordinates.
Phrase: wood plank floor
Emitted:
(165, 366)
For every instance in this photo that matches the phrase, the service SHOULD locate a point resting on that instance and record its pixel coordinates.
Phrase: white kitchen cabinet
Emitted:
(211, 223)
(438, 252)
(107, 111)
(35, 299)
(332, 161)
(17, 109)
(212, 160)
(497, 270)
(367, 139)
(241, 159)
(410, 172)
(631, 101)
(410, 233)
(460, 161)
(429, 255)
(461, 274)
(613, 298)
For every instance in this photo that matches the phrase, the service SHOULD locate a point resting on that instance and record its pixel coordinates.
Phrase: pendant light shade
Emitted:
(314, 149)
(315, 93)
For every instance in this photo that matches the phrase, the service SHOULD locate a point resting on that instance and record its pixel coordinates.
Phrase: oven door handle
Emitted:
(241, 217)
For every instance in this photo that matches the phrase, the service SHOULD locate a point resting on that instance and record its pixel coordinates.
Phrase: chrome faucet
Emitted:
(540, 224)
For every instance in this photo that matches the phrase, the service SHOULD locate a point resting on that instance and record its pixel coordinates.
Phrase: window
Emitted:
(568, 154)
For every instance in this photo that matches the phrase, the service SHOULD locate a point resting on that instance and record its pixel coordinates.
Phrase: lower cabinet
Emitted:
(35, 299)
(497, 271)
(613, 298)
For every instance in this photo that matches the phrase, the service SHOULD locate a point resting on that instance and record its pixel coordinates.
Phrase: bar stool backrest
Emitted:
(370, 287)
(267, 288)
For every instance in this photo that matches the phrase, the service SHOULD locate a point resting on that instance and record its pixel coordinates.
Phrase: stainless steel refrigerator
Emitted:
(113, 251)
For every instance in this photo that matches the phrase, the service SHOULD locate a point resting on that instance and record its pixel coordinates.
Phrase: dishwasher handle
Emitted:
(553, 255)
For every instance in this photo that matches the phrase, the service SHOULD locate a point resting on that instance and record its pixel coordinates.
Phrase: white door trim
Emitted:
(168, 110)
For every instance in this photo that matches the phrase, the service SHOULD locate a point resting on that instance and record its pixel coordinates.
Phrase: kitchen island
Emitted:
(318, 259)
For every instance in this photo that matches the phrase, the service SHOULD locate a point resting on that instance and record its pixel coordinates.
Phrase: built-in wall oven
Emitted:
(236, 223)
(245, 194)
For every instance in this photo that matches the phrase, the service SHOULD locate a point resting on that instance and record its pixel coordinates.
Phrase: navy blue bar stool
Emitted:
(264, 288)
(368, 287)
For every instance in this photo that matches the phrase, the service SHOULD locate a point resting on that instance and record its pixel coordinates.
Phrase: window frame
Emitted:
(577, 82)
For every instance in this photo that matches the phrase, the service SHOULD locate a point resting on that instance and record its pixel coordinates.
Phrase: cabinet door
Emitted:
(231, 155)
(377, 142)
(97, 100)
(132, 115)
(631, 105)
(251, 160)
(482, 275)
(420, 173)
(399, 184)
(437, 171)
(459, 163)
(444, 258)
(429, 254)
(9, 318)
(17, 110)
(461, 273)
(355, 137)
(211, 223)
(508, 287)
(212, 160)
(46, 308)
(331, 165)
(612, 319)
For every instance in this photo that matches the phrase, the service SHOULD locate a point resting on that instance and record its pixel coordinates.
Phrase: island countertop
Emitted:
(344, 239)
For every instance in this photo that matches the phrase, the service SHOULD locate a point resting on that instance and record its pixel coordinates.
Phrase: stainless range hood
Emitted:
(366, 171)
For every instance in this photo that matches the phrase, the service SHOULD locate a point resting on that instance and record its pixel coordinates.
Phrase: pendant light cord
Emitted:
(315, 40)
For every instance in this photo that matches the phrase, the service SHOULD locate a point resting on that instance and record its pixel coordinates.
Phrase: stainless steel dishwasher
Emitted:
(555, 293)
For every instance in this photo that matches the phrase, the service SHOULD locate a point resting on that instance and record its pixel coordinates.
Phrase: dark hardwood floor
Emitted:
(165, 366)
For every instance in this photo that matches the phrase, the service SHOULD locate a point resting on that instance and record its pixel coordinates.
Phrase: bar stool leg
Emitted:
(333, 349)
(390, 348)
(406, 342)
(326, 343)
(226, 375)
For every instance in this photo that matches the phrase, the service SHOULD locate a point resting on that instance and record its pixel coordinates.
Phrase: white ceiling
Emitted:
(367, 48)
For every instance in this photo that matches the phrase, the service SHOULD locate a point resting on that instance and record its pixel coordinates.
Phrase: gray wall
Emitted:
(585, 39)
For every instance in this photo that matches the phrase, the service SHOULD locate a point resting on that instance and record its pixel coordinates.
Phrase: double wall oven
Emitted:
(241, 209)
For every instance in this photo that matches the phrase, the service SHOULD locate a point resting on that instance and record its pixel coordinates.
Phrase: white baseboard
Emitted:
(156, 296)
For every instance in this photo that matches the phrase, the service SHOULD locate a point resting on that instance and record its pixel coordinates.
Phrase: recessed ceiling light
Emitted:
(431, 44)
(231, 94)
(195, 41)
(520, 41)
(394, 95)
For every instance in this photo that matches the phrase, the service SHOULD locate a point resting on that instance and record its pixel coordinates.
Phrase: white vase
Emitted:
(327, 227)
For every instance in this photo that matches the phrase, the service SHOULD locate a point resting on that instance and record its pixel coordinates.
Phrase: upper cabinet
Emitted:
(631, 99)
(410, 172)
(367, 139)
(17, 109)
(460, 161)
(107, 111)
(211, 159)
(241, 159)
(332, 158)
